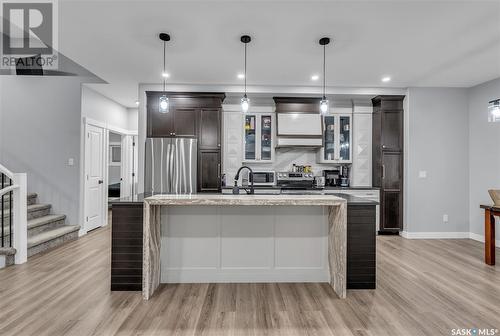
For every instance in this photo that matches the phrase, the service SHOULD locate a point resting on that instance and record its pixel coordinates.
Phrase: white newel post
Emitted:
(20, 219)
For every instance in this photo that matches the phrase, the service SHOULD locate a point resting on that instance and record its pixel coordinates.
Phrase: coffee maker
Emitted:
(332, 177)
(337, 177)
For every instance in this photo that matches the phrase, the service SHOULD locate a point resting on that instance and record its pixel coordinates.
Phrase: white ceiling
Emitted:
(417, 43)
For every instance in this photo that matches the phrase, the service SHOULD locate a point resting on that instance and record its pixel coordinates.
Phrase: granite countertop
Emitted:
(318, 189)
(277, 199)
(353, 200)
(136, 198)
(220, 199)
(351, 188)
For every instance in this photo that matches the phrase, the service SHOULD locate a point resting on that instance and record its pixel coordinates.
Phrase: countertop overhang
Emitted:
(220, 199)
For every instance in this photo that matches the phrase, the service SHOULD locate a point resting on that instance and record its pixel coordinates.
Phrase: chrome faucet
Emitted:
(236, 189)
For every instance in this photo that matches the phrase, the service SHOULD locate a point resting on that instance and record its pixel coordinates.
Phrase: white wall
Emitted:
(39, 132)
(132, 119)
(98, 107)
(437, 142)
(484, 152)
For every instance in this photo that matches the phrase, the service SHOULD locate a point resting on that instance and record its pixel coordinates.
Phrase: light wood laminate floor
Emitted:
(425, 287)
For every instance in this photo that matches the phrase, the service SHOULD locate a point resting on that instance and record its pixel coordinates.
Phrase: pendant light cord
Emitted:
(164, 73)
(324, 71)
(245, 69)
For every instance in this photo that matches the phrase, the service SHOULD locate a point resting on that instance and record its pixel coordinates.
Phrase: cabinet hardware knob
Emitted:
(218, 145)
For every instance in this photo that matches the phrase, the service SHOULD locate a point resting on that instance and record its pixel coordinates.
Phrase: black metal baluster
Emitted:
(10, 217)
(3, 204)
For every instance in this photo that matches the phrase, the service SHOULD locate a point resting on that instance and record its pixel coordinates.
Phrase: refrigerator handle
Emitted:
(172, 170)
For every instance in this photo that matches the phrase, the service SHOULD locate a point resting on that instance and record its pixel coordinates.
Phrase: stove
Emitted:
(295, 180)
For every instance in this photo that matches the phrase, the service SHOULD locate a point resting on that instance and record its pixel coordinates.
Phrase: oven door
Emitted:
(264, 178)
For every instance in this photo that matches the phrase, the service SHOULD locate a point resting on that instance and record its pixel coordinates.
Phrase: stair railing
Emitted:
(15, 216)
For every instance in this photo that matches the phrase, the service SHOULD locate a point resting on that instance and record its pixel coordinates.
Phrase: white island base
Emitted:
(258, 238)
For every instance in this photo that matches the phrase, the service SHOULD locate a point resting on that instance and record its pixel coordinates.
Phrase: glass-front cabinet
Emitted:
(337, 139)
(258, 139)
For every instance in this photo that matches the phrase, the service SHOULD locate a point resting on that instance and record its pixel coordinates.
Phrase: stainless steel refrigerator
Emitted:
(170, 166)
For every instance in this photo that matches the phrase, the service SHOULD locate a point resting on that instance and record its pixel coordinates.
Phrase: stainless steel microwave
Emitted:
(264, 178)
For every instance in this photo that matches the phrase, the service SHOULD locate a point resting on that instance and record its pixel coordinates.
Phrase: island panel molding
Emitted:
(337, 229)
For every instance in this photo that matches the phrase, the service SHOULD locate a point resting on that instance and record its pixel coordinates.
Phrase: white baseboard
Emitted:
(434, 235)
(244, 275)
(480, 238)
(445, 235)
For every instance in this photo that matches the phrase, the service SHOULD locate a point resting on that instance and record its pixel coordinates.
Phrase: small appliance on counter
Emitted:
(332, 177)
(337, 177)
(319, 182)
(263, 178)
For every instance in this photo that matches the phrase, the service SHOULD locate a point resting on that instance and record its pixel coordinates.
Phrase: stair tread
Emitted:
(38, 206)
(28, 195)
(36, 222)
(7, 251)
(51, 234)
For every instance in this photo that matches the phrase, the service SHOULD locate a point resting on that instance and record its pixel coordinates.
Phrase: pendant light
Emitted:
(494, 110)
(245, 102)
(163, 104)
(323, 105)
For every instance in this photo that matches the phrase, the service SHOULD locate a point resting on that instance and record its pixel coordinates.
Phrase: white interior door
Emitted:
(94, 175)
(127, 166)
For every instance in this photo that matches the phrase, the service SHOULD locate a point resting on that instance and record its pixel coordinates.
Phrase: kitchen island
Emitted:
(240, 242)
(255, 210)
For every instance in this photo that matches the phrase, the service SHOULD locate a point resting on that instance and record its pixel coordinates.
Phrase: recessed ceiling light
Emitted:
(241, 76)
(137, 102)
(166, 75)
(386, 79)
(314, 77)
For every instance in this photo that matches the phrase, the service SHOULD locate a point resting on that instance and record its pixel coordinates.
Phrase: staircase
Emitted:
(45, 230)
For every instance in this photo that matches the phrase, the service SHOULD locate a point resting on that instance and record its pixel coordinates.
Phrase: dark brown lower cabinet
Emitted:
(209, 170)
(391, 211)
(126, 246)
(361, 246)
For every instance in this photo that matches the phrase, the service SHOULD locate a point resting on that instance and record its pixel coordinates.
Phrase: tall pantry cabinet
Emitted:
(387, 153)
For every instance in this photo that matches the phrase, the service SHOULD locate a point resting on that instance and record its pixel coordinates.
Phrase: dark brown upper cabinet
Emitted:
(297, 104)
(392, 124)
(210, 121)
(158, 124)
(185, 122)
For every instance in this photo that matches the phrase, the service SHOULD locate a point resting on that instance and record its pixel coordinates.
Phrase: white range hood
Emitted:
(299, 130)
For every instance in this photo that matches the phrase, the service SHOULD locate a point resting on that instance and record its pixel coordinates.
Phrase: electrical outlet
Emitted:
(422, 174)
(445, 218)
(71, 162)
